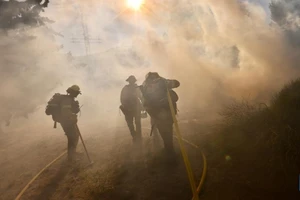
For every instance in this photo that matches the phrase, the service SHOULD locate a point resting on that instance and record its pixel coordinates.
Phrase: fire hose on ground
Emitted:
(203, 175)
(56, 159)
(195, 190)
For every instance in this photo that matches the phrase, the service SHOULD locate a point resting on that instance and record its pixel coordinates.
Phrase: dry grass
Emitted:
(263, 145)
(263, 141)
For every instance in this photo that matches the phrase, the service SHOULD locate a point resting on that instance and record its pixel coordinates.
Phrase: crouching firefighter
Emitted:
(131, 106)
(64, 109)
(154, 90)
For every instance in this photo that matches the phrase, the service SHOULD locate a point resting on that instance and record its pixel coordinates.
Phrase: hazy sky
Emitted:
(96, 19)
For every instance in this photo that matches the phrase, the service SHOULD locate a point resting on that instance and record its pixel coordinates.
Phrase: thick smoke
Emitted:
(29, 71)
(218, 50)
(287, 15)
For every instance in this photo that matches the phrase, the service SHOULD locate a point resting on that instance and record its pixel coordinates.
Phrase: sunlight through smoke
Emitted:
(134, 4)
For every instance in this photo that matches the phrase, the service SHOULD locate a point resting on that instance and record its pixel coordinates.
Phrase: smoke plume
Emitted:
(218, 50)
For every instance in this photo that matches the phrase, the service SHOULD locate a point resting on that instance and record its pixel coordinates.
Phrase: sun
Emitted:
(135, 4)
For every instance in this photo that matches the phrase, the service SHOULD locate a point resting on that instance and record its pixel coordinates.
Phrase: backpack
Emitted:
(53, 107)
(155, 95)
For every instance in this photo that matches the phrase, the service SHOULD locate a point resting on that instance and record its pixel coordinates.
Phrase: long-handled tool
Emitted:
(91, 162)
(152, 128)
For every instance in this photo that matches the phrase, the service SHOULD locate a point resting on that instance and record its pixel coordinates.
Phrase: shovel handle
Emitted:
(76, 126)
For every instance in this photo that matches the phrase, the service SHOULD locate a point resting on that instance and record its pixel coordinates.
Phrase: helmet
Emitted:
(131, 78)
(152, 75)
(74, 88)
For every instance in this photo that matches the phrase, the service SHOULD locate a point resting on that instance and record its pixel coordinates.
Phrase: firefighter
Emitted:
(131, 106)
(64, 110)
(154, 90)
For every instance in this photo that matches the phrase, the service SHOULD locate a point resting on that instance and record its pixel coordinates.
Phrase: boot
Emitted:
(171, 156)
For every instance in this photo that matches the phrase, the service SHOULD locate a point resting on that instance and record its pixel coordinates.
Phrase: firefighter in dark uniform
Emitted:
(64, 110)
(154, 90)
(131, 106)
(69, 110)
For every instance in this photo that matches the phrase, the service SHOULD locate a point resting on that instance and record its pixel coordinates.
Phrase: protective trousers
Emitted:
(154, 130)
(164, 124)
(130, 116)
(73, 137)
(166, 132)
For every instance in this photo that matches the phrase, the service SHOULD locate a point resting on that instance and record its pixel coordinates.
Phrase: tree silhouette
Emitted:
(14, 13)
(22, 63)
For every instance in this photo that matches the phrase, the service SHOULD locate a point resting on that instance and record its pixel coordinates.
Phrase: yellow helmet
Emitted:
(74, 88)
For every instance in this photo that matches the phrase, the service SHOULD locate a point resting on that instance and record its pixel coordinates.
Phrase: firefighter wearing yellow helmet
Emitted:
(64, 110)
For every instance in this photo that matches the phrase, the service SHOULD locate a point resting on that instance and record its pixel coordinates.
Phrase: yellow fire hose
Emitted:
(204, 166)
(182, 149)
(33, 179)
(186, 141)
(195, 190)
(204, 170)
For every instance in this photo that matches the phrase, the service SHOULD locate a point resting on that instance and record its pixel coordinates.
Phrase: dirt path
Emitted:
(121, 169)
(24, 155)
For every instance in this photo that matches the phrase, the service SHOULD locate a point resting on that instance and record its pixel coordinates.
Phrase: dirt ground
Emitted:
(121, 170)
(24, 154)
